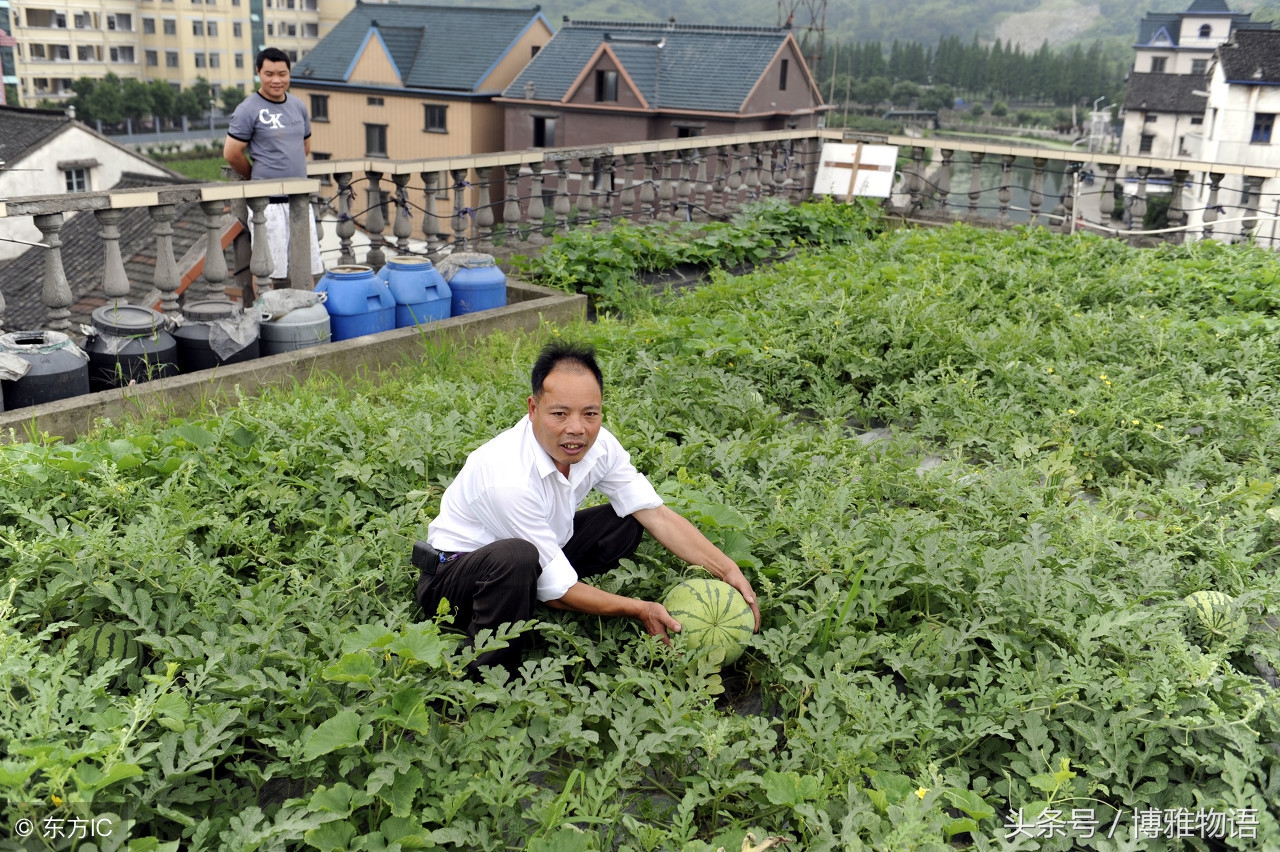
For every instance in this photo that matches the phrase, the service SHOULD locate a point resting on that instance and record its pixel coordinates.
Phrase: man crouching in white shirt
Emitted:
(509, 532)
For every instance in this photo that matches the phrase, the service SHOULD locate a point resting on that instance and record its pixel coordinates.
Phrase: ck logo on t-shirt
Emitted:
(270, 119)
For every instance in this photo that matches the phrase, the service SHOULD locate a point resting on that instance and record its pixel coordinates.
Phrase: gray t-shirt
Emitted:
(275, 133)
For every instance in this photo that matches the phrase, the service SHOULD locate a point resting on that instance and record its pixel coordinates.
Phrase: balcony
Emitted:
(515, 202)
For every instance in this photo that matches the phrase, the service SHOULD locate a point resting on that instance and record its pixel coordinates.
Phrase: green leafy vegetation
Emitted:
(972, 475)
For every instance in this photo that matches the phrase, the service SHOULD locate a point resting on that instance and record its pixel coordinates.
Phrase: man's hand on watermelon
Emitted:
(583, 597)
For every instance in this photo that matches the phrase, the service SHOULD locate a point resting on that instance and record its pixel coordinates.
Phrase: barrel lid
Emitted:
(410, 260)
(351, 269)
(127, 319)
(208, 310)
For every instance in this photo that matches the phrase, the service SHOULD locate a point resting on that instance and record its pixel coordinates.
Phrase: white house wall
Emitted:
(38, 174)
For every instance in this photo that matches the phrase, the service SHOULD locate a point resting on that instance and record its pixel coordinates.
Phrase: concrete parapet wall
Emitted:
(528, 307)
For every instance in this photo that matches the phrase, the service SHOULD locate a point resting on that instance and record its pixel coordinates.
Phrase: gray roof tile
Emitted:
(1252, 56)
(1167, 93)
(434, 47)
(21, 130)
(697, 67)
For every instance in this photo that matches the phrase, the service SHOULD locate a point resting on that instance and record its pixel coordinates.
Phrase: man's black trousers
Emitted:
(498, 583)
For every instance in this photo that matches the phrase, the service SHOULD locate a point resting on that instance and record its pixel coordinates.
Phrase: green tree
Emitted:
(188, 105)
(136, 99)
(232, 96)
(976, 111)
(162, 99)
(937, 97)
(1000, 109)
(904, 93)
(872, 91)
(82, 100)
(107, 100)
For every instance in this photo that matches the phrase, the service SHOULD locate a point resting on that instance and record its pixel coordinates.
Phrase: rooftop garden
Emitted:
(973, 476)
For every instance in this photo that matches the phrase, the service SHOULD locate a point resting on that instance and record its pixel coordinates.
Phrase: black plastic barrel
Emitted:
(196, 350)
(59, 368)
(130, 344)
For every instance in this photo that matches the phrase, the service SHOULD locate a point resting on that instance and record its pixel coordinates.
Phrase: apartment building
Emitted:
(178, 41)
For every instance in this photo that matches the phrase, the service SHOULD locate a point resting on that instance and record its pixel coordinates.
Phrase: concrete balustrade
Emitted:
(514, 202)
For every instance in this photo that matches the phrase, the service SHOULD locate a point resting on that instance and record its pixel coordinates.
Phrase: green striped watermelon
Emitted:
(712, 614)
(109, 641)
(1216, 612)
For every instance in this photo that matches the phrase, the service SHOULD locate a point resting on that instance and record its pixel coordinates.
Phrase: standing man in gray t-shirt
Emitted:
(273, 127)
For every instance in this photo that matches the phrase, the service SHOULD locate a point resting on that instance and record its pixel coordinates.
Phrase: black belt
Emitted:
(427, 559)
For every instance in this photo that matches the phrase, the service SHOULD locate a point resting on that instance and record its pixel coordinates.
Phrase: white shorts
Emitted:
(278, 241)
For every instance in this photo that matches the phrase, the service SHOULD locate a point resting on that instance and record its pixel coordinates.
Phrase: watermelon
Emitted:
(1216, 612)
(712, 614)
(108, 641)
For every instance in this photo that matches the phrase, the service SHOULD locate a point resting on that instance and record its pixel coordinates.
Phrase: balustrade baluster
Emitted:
(1036, 200)
(56, 293)
(627, 198)
(561, 204)
(166, 278)
(667, 187)
(1177, 213)
(1005, 193)
(604, 203)
(432, 229)
(734, 179)
(403, 225)
(1211, 210)
(1107, 197)
(779, 169)
(1138, 209)
(485, 219)
(115, 281)
(752, 180)
(975, 182)
(462, 213)
(648, 196)
(1253, 196)
(1067, 200)
(537, 206)
(215, 258)
(511, 206)
(943, 180)
(375, 221)
(346, 228)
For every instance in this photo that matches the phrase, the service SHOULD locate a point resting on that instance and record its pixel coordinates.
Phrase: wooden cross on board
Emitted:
(856, 166)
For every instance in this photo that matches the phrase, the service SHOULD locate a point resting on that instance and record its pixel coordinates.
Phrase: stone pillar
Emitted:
(300, 277)
(166, 278)
(752, 180)
(1036, 200)
(57, 294)
(1107, 197)
(484, 209)
(604, 201)
(115, 281)
(733, 180)
(1252, 201)
(261, 266)
(1177, 205)
(648, 197)
(461, 212)
(561, 204)
(627, 198)
(1067, 204)
(584, 213)
(1211, 210)
(346, 228)
(719, 182)
(511, 207)
(403, 225)
(915, 178)
(537, 207)
(975, 182)
(666, 188)
(215, 259)
(375, 222)
(1138, 210)
(1005, 193)
(432, 229)
(944, 179)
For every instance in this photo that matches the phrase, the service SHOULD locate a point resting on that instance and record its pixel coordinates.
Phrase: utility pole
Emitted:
(808, 18)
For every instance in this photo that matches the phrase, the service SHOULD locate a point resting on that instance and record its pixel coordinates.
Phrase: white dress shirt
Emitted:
(510, 488)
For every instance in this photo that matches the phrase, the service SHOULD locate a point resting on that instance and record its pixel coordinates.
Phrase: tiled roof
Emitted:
(1164, 93)
(1149, 27)
(1252, 56)
(21, 130)
(434, 47)
(675, 66)
(1208, 6)
(22, 279)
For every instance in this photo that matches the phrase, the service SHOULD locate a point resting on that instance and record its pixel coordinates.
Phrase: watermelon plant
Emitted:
(972, 475)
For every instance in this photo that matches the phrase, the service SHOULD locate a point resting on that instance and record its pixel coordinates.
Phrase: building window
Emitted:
(148, 26)
(271, 29)
(236, 29)
(293, 55)
(310, 6)
(197, 28)
(687, 132)
(319, 107)
(1144, 147)
(544, 132)
(82, 20)
(310, 30)
(1205, 31)
(171, 59)
(372, 101)
(533, 51)
(215, 60)
(1197, 120)
(84, 53)
(1157, 64)
(199, 58)
(77, 180)
(170, 26)
(606, 86)
(1149, 118)
(375, 140)
(782, 76)
(122, 54)
(434, 118)
(1199, 66)
(239, 60)
(61, 52)
(211, 28)
(1262, 124)
(153, 58)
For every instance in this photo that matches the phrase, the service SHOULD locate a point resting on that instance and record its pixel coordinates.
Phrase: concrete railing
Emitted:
(516, 202)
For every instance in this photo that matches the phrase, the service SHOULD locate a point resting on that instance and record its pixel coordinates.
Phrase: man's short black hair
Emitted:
(559, 351)
(273, 54)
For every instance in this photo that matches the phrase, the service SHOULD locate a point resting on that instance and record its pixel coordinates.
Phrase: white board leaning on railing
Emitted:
(851, 170)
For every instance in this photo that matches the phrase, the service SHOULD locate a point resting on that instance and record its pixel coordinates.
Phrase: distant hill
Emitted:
(1029, 22)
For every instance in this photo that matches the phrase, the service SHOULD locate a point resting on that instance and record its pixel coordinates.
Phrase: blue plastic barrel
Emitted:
(419, 289)
(477, 282)
(358, 302)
